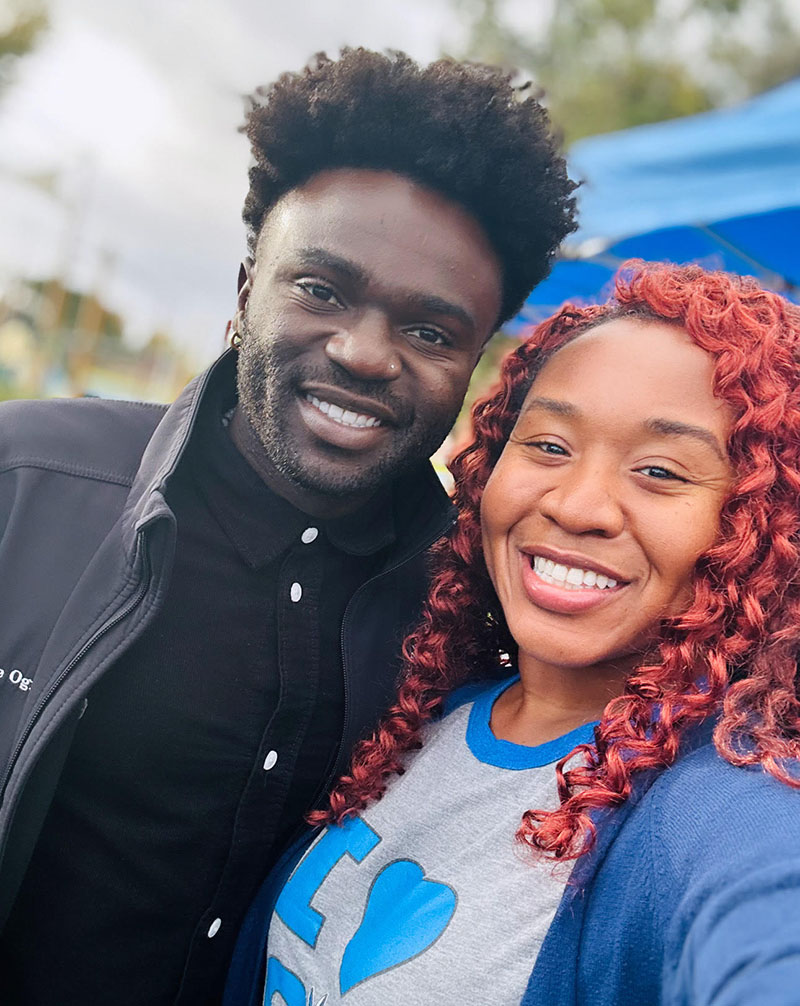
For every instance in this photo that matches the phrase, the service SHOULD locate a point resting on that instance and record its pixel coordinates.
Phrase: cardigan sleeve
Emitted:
(742, 945)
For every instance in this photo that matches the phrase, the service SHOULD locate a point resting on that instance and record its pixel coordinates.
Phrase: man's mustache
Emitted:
(376, 391)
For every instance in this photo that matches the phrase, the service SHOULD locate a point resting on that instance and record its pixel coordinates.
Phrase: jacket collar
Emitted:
(166, 447)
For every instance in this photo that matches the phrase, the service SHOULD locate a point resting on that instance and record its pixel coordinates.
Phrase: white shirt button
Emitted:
(214, 928)
(310, 534)
(270, 761)
(296, 592)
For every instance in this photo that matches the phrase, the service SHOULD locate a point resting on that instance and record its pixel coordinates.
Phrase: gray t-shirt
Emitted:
(425, 897)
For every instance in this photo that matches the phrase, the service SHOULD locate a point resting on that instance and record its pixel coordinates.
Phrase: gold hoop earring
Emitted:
(233, 335)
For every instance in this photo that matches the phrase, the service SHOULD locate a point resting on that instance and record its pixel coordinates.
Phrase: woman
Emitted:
(627, 632)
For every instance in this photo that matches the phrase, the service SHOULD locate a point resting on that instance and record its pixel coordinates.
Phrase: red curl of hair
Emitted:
(731, 654)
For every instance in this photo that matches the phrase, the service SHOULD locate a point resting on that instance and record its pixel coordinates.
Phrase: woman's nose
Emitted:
(585, 501)
(366, 348)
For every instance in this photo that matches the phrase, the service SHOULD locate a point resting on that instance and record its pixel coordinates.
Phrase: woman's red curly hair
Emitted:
(731, 655)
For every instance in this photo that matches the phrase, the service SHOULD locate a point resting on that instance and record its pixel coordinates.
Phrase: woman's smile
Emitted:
(564, 583)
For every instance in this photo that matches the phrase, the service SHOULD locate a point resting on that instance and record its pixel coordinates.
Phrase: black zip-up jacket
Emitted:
(86, 549)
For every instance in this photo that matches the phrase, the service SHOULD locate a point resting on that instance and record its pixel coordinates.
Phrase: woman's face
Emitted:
(608, 490)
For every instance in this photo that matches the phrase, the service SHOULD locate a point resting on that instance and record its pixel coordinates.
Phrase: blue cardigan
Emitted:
(691, 897)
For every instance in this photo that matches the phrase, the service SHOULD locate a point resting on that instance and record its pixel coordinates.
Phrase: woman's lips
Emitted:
(562, 597)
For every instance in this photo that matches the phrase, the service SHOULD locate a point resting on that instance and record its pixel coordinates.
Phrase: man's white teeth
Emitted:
(570, 577)
(344, 416)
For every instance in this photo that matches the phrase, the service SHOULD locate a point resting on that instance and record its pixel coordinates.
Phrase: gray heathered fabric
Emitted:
(504, 901)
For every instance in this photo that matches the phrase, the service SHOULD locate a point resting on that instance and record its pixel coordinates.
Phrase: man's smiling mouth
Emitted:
(345, 420)
(346, 417)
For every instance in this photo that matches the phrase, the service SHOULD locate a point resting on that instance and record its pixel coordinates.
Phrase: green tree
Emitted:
(22, 23)
(608, 64)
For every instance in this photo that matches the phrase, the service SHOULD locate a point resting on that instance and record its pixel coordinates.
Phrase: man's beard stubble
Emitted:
(268, 386)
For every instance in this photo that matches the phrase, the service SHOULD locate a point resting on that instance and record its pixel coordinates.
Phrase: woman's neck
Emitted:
(549, 701)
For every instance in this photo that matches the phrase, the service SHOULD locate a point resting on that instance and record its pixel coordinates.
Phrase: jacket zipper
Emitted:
(118, 617)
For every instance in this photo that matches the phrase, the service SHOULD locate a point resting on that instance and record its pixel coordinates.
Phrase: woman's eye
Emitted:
(548, 447)
(320, 291)
(660, 473)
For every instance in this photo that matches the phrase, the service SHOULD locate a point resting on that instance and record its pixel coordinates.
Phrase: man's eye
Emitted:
(430, 336)
(320, 291)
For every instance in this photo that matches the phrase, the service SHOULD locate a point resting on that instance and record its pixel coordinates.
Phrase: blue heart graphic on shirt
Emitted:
(405, 914)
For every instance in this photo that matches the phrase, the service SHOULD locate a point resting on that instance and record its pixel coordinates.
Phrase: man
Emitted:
(203, 607)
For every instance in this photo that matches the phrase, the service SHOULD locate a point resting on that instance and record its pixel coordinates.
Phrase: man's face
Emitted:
(368, 305)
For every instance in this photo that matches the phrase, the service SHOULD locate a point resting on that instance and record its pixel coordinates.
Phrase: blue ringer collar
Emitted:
(505, 754)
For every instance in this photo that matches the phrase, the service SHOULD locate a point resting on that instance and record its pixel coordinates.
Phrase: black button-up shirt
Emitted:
(200, 749)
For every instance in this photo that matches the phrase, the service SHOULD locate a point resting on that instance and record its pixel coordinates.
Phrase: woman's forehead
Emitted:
(631, 369)
(623, 349)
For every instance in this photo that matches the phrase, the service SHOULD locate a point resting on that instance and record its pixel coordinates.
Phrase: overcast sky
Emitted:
(129, 109)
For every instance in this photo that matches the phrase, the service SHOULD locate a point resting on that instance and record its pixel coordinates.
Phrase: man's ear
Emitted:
(244, 283)
(234, 328)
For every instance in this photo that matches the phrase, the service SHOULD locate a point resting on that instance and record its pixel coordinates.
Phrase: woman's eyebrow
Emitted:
(675, 428)
(665, 427)
(551, 405)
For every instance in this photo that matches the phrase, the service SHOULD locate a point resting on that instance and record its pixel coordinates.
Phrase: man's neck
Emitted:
(314, 504)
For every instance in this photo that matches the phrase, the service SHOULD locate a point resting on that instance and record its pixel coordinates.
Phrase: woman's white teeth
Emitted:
(570, 577)
(344, 416)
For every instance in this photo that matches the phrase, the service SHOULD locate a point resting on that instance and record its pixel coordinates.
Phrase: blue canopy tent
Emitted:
(721, 188)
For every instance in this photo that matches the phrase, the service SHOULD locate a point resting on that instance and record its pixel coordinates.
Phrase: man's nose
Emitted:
(586, 500)
(366, 348)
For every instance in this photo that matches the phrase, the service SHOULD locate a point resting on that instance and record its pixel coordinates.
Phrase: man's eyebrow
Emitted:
(428, 303)
(310, 257)
(675, 428)
(423, 302)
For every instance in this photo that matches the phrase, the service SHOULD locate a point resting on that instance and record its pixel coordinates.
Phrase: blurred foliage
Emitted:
(55, 340)
(485, 376)
(74, 309)
(22, 23)
(609, 64)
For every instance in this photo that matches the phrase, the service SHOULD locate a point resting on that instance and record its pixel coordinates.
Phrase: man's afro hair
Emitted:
(459, 128)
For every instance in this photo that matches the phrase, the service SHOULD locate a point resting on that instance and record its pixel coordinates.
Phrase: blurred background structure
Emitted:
(721, 188)
(122, 174)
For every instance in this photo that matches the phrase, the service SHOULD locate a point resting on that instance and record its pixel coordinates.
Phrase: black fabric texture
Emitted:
(165, 818)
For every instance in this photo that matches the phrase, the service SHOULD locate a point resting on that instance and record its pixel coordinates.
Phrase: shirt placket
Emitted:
(298, 622)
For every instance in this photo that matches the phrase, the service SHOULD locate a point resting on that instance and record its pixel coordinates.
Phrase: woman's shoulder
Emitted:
(732, 812)
(703, 830)
(702, 778)
(696, 878)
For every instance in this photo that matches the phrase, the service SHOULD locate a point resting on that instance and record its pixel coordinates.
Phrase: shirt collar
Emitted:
(368, 529)
(259, 522)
